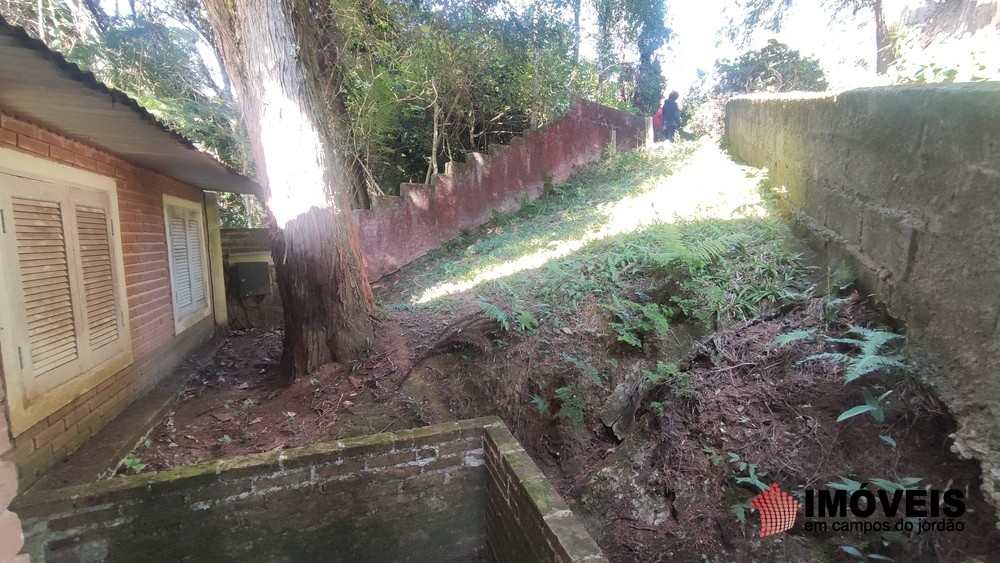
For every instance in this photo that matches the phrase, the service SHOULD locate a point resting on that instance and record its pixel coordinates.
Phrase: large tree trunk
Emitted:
(886, 52)
(270, 52)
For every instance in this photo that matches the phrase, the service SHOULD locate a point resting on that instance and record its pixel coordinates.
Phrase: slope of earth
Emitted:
(661, 346)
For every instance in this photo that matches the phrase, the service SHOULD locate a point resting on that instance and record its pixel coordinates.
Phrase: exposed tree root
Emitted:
(470, 330)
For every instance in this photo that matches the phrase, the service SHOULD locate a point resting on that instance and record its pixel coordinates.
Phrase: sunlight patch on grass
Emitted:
(709, 186)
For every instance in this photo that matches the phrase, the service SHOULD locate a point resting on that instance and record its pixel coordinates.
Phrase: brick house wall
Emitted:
(155, 347)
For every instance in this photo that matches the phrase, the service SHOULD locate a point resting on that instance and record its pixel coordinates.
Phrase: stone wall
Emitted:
(411, 495)
(902, 184)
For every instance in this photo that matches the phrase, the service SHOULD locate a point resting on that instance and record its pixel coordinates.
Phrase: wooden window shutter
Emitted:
(187, 261)
(45, 282)
(181, 273)
(69, 304)
(97, 266)
(63, 327)
(196, 258)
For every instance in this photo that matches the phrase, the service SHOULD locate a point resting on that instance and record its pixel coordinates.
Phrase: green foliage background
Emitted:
(773, 68)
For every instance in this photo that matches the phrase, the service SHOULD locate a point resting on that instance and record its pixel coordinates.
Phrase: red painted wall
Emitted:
(400, 229)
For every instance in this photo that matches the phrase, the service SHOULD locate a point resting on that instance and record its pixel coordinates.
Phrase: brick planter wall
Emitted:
(411, 495)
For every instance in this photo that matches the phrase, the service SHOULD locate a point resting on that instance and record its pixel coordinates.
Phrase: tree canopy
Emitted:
(411, 83)
(770, 15)
(773, 68)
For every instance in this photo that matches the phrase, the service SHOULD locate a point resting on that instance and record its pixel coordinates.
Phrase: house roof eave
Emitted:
(39, 85)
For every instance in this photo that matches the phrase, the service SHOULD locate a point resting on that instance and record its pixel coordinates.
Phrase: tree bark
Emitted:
(885, 51)
(269, 50)
(576, 33)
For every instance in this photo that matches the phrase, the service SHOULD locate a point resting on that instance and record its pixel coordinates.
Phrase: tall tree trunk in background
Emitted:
(270, 51)
(576, 33)
(886, 53)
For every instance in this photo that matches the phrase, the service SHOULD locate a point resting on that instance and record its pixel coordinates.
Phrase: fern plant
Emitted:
(637, 321)
(588, 371)
(703, 251)
(872, 406)
(680, 383)
(790, 337)
(871, 347)
(495, 314)
(524, 320)
(572, 403)
(520, 319)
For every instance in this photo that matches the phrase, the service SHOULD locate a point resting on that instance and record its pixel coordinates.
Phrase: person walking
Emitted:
(671, 116)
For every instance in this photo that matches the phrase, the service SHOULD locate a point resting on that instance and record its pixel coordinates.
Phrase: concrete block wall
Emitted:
(245, 241)
(154, 346)
(902, 183)
(411, 495)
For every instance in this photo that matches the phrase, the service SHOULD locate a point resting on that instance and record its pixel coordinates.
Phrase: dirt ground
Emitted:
(653, 495)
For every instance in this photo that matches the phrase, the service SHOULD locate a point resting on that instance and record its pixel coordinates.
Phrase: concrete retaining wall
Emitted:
(412, 495)
(903, 183)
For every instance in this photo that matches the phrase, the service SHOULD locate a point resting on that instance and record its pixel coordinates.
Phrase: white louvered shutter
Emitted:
(68, 310)
(98, 281)
(181, 272)
(43, 270)
(103, 315)
(187, 257)
(196, 259)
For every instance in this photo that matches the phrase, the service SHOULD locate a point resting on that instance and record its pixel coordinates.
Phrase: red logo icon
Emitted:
(777, 510)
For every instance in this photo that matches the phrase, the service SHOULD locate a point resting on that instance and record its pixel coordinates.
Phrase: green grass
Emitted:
(714, 270)
(565, 213)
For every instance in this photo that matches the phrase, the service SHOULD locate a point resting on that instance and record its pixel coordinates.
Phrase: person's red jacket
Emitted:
(658, 118)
